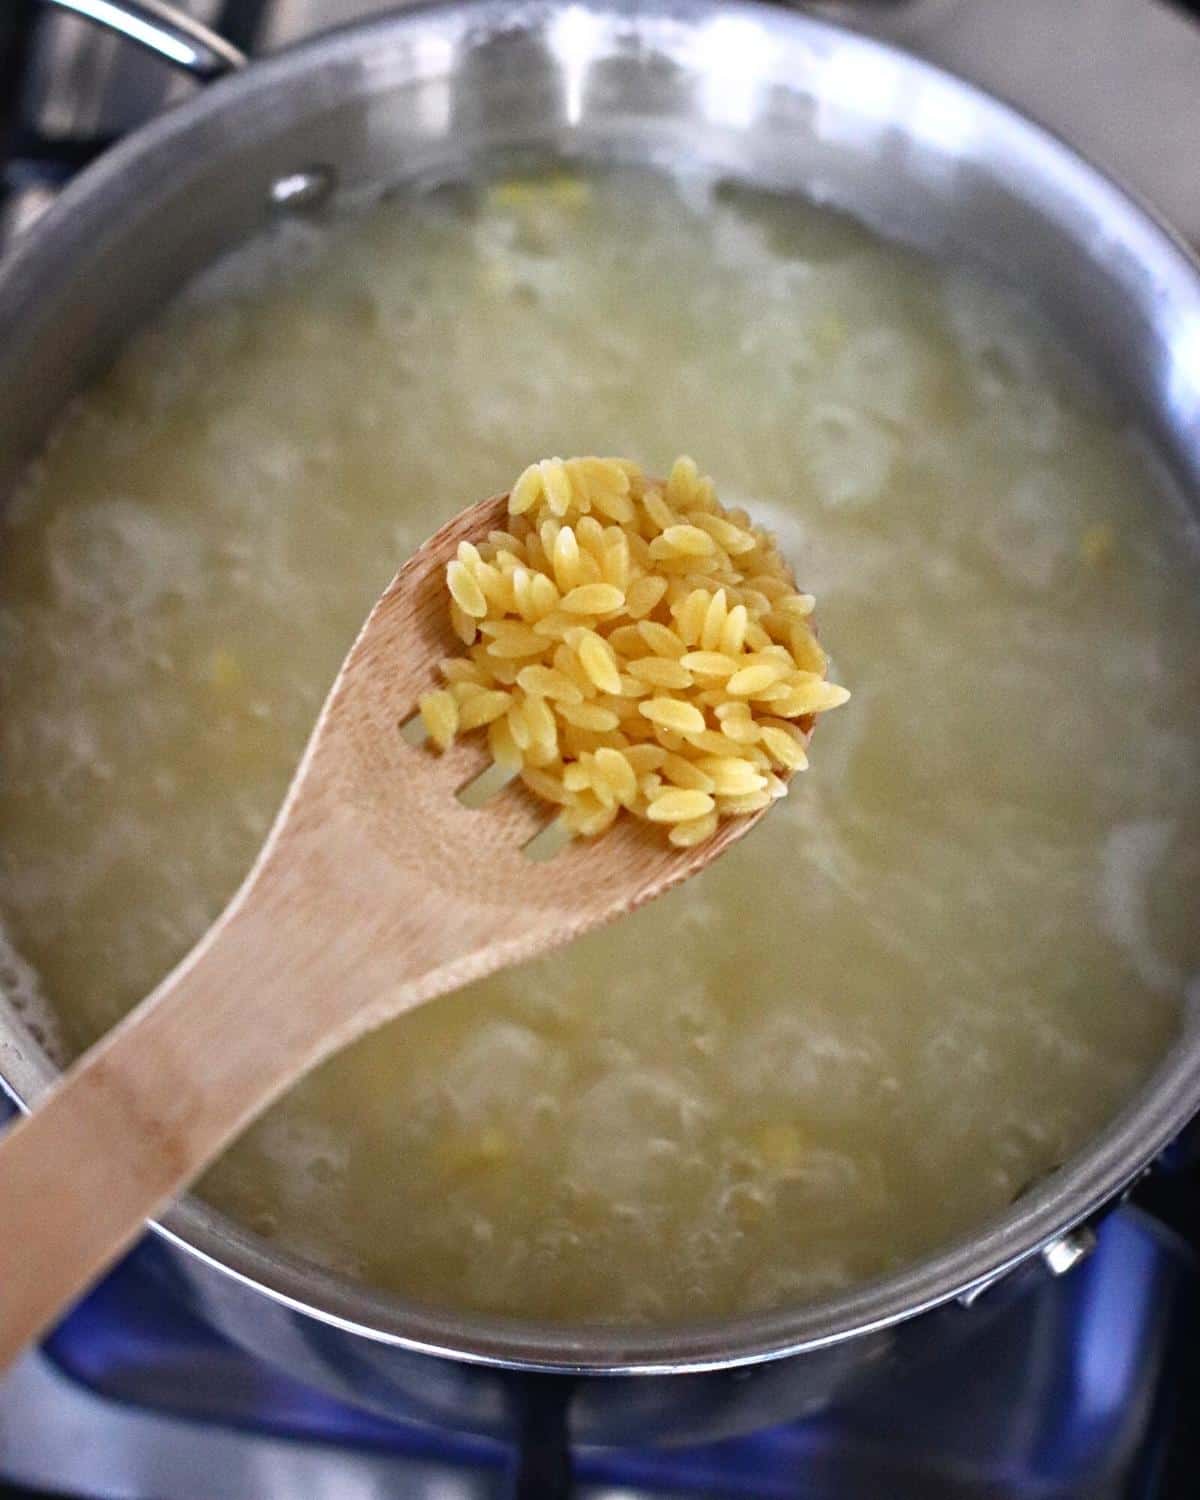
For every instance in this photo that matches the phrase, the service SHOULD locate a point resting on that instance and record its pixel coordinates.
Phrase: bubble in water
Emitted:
(848, 454)
(1132, 853)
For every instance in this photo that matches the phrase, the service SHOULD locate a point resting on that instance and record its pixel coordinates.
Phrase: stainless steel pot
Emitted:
(760, 94)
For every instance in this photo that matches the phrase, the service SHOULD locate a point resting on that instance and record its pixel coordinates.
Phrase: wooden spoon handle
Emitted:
(142, 1113)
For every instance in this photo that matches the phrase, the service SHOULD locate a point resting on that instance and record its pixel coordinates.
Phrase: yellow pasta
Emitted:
(440, 714)
(631, 646)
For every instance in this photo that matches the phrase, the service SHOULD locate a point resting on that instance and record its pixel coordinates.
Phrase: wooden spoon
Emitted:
(376, 890)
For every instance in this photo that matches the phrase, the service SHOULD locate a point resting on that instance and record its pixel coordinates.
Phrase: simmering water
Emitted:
(927, 978)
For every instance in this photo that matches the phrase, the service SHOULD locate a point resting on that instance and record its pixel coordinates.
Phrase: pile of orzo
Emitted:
(632, 644)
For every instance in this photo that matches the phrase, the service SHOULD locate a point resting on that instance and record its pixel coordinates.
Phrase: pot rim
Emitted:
(1075, 1192)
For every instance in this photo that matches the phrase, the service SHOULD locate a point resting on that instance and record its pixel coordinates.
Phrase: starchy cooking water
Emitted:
(949, 957)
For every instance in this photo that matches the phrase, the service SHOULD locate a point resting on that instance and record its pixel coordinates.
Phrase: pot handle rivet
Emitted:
(304, 189)
(1068, 1250)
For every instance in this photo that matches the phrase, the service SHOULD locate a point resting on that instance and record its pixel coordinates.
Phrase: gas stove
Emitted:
(1083, 1388)
(1076, 1392)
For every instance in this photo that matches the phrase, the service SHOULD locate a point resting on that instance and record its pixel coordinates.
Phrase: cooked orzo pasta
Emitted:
(632, 644)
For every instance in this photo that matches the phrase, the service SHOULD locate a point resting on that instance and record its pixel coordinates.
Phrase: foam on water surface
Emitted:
(927, 977)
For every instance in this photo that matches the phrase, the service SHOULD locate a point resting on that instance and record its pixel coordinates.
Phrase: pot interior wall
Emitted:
(799, 108)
